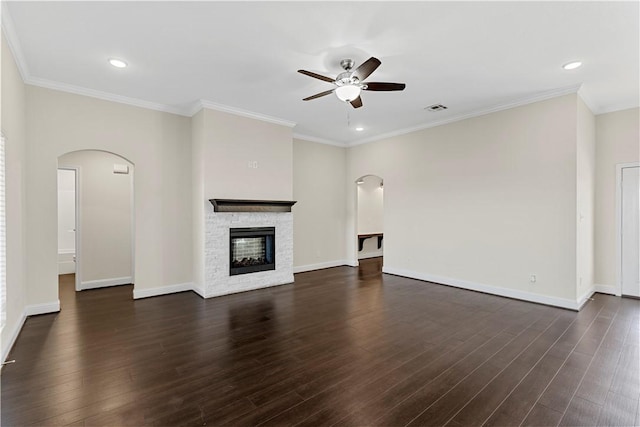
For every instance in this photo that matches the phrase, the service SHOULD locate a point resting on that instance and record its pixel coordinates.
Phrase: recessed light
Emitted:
(118, 63)
(572, 65)
(359, 129)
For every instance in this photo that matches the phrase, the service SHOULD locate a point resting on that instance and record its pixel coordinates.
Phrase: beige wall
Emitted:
(585, 193)
(485, 201)
(198, 200)
(13, 122)
(617, 141)
(319, 173)
(157, 143)
(231, 142)
(105, 216)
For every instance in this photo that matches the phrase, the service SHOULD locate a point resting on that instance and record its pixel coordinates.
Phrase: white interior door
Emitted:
(66, 221)
(630, 222)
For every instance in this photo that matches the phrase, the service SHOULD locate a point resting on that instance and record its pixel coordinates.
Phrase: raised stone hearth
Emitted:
(218, 280)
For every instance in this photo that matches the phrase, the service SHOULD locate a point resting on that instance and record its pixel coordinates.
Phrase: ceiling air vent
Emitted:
(435, 107)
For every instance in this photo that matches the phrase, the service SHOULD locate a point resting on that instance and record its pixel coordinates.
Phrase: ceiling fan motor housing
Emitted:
(347, 64)
(347, 78)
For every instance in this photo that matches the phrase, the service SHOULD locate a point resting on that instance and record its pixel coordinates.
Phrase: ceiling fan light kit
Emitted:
(349, 84)
(347, 93)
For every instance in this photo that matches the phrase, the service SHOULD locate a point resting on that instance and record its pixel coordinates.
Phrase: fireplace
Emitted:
(251, 250)
(232, 218)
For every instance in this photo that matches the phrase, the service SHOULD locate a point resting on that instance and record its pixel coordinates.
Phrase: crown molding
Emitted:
(480, 112)
(318, 140)
(9, 30)
(587, 100)
(203, 103)
(78, 90)
(615, 108)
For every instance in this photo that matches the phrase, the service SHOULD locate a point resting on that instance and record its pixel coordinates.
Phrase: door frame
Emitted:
(619, 168)
(78, 230)
(356, 210)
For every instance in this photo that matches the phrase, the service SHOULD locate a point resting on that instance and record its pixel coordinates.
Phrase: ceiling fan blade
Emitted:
(385, 86)
(357, 103)
(366, 68)
(318, 95)
(317, 76)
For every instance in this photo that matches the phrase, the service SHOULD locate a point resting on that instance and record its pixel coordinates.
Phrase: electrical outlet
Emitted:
(533, 278)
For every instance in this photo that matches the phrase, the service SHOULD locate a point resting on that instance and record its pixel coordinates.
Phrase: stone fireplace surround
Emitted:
(227, 214)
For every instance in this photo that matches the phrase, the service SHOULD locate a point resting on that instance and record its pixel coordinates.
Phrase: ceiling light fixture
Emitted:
(347, 93)
(359, 129)
(572, 65)
(118, 63)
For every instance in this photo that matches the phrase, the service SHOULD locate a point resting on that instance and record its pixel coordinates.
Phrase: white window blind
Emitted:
(3, 238)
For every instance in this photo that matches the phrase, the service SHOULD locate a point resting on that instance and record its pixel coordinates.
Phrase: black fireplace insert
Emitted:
(252, 250)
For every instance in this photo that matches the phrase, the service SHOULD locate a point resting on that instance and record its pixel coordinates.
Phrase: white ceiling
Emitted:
(473, 57)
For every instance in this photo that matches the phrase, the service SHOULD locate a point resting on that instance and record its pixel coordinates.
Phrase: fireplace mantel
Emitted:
(233, 205)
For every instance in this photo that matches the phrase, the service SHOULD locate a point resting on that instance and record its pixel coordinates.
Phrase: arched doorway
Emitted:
(370, 217)
(95, 225)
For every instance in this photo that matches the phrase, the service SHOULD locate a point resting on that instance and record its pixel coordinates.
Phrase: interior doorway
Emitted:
(101, 222)
(370, 217)
(629, 222)
(67, 221)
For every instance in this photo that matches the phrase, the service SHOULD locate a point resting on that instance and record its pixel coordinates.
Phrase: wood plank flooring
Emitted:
(342, 347)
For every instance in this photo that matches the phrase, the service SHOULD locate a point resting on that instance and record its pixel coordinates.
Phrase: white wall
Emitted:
(13, 123)
(105, 217)
(585, 195)
(483, 202)
(66, 210)
(319, 187)
(617, 141)
(159, 144)
(370, 214)
(66, 221)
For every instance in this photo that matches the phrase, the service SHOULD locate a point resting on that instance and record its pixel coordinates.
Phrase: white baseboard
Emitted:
(352, 263)
(8, 345)
(480, 287)
(582, 300)
(607, 289)
(320, 266)
(198, 290)
(371, 255)
(163, 290)
(30, 310)
(35, 309)
(66, 267)
(103, 283)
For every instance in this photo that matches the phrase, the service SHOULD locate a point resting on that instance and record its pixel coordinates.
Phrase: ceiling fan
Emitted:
(350, 82)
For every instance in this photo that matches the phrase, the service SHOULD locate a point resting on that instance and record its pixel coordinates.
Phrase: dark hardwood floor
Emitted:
(343, 346)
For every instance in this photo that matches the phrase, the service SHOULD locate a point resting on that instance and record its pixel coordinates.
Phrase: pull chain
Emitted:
(348, 115)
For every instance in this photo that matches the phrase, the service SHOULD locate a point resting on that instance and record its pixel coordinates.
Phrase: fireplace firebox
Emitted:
(252, 250)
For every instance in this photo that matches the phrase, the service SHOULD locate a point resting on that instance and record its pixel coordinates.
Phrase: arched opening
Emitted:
(370, 220)
(95, 220)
